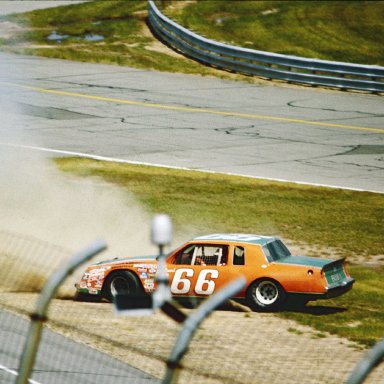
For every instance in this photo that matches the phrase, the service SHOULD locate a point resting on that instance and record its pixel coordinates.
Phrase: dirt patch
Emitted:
(230, 346)
(9, 29)
(157, 45)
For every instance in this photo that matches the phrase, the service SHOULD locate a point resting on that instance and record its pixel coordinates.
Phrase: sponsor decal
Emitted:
(93, 279)
(149, 285)
(143, 275)
(151, 275)
(96, 274)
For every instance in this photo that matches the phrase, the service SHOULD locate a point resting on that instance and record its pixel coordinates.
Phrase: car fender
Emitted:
(113, 270)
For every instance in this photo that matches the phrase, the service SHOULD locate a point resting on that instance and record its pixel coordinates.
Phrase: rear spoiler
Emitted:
(332, 264)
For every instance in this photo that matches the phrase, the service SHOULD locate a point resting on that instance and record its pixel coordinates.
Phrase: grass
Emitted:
(127, 40)
(333, 30)
(349, 223)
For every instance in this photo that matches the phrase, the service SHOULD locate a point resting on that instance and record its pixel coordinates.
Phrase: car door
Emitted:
(200, 270)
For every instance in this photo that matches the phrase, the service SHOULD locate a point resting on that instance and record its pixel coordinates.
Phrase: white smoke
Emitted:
(38, 200)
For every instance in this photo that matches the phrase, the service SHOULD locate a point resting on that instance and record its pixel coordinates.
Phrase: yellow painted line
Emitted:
(198, 110)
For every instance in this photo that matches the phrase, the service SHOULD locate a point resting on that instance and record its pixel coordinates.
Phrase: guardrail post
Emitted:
(40, 315)
(367, 364)
(191, 324)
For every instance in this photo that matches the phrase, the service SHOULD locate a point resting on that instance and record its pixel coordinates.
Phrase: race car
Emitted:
(205, 264)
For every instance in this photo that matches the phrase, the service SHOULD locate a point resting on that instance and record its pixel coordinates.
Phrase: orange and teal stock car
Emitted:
(204, 265)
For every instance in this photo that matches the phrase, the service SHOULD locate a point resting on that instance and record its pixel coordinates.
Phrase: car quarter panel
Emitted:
(297, 278)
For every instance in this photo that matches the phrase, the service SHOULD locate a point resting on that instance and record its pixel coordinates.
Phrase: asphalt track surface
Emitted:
(281, 132)
(60, 360)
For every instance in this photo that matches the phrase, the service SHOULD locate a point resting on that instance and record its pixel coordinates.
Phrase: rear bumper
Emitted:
(340, 289)
(328, 294)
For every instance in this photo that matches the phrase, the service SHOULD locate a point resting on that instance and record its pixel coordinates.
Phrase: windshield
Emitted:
(276, 250)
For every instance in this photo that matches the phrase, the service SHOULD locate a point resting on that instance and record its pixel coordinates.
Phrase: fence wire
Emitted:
(85, 342)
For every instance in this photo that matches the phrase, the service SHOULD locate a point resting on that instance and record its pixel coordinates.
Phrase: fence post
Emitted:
(367, 364)
(192, 323)
(40, 315)
(161, 235)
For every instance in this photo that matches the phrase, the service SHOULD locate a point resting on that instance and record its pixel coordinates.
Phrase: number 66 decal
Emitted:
(204, 285)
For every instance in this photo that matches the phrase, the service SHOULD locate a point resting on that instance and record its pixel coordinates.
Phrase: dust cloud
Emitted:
(38, 201)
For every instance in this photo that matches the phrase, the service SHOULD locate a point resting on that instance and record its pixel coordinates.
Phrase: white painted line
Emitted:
(12, 372)
(117, 160)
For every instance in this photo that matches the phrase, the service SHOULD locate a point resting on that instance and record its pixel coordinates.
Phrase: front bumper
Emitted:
(89, 291)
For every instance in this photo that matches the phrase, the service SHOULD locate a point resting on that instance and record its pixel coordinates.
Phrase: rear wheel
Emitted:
(121, 283)
(265, 295)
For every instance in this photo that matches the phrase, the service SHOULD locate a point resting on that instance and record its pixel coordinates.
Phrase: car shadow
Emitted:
(318, 310)
(315, 310)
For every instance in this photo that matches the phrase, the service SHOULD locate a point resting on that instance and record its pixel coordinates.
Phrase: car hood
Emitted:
(141, 259)
(305, 261)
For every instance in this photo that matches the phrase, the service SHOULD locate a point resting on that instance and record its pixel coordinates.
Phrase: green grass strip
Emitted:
(344, 222)
(330, 30)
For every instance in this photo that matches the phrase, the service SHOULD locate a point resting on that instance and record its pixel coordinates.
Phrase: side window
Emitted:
(267, 254)
(238, 256)
(210, 255)
(201, 254)
(185, 256)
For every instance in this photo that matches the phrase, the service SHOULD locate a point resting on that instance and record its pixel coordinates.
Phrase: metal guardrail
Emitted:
(265, 64)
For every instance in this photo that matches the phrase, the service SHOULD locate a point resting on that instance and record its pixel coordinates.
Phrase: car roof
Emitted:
(237, 237)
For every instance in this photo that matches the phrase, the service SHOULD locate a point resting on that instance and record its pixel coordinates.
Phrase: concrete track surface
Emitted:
(279, 132)
(60, 360)
(16, 6)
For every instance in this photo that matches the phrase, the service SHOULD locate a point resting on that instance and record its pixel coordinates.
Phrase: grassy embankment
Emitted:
(333, 30)
(330, 30)
(335, 222)
(127, 41)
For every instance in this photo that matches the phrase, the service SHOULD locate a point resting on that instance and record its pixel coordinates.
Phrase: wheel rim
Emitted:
(266, 293)
(119, 286)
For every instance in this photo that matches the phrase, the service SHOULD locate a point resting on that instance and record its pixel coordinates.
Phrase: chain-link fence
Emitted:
(86, 342)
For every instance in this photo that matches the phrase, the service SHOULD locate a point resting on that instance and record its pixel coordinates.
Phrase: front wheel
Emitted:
(265, 295)
(121, 283)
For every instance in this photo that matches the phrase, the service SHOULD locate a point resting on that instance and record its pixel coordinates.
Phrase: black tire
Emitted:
(265, 295)
(119, 283)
